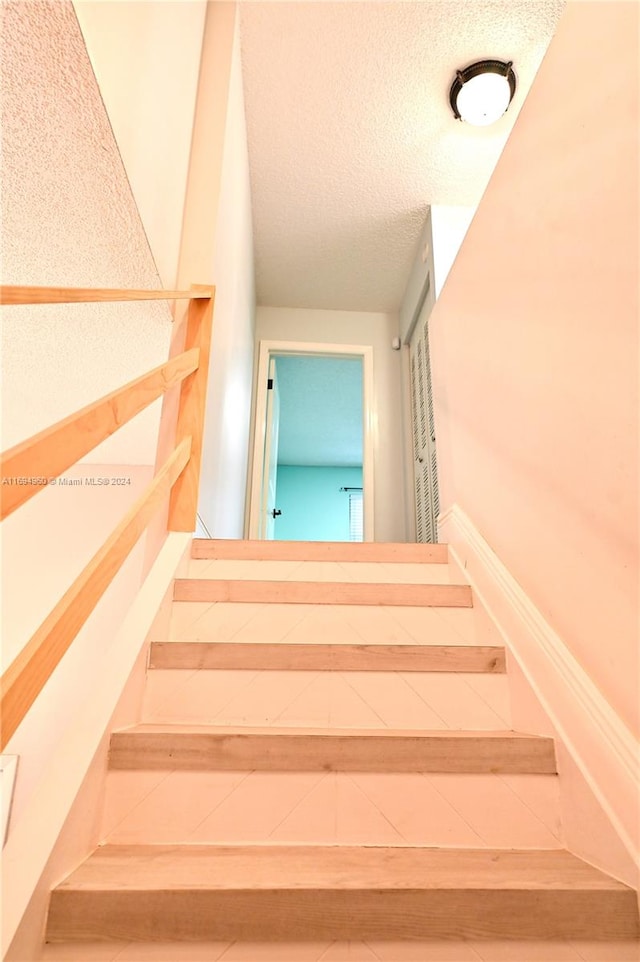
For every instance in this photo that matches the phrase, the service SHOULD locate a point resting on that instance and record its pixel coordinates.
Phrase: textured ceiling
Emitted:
(351, 135)
(320, 411)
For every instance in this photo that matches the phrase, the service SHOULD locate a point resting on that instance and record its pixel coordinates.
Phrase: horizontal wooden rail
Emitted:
(86, 295)
(29, 672)
(29, 466)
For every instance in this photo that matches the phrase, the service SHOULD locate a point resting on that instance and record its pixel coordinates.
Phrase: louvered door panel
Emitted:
(423, 432)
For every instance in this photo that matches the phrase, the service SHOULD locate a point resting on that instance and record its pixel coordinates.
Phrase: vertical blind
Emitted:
(355, 516)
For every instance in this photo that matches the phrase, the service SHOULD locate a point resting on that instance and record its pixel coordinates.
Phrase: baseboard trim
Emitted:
(600, 743)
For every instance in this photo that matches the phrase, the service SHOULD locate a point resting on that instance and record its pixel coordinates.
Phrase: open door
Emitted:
(268, 437)
(268, 511)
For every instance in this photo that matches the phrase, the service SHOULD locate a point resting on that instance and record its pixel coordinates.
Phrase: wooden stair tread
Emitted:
(212, 748)
(342, 867)
(381, 552)
(281, 656)
(177, 728)
(326, 592)
(283, 893)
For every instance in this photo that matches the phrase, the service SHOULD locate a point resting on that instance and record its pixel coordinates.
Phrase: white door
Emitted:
(424, 435)
(270, 471)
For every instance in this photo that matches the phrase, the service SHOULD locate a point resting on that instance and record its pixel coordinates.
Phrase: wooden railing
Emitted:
(28, 467)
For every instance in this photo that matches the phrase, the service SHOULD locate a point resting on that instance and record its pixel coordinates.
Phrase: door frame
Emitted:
(426, 291)
(268, 348)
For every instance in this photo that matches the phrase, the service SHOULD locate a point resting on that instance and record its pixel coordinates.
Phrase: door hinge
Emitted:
(270, 384)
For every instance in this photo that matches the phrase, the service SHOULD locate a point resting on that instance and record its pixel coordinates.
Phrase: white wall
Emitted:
(226, 444)
(377, 330)
(146, 58)
(422, 270)
(217, 247)
(449, 226)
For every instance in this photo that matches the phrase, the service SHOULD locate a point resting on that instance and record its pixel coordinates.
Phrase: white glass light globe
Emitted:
(484, 99)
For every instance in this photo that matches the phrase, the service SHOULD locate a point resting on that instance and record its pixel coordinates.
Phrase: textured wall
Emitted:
(69, 219)
(150, 108)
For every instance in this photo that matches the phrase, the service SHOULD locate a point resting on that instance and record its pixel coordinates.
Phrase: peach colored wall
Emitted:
(598, 806)
(146, 57)
(535, 351)
(217, 247)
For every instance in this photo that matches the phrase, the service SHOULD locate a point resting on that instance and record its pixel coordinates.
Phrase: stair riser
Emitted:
(330, 700)
(318, 624)
(285, 751)
(318, 808)
(277, 915)
(319, 593)
(321, 571)
(284, 657)
(376, 553)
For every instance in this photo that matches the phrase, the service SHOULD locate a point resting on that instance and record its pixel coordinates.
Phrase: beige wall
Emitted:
(377, 330)
(535, 351)
(146, 58)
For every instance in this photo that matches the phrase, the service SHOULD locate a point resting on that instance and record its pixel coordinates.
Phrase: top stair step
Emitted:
(383, 553)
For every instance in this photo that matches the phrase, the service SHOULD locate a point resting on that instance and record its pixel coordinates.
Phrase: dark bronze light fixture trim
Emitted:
(500, 67)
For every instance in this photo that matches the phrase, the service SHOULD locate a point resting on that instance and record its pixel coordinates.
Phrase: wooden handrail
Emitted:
(46, 455)
(29, 672)
(85, 295)
(27, 468)
(183, 505)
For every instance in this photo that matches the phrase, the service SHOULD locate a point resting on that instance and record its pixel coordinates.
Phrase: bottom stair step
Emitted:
(304, 893)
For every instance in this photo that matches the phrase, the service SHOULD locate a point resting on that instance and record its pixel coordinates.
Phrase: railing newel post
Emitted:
(183, 503)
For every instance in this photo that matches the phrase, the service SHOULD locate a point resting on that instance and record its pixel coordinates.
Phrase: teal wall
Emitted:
(312, 504)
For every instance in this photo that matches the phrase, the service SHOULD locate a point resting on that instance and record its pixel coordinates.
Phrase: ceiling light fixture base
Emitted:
(483, 91)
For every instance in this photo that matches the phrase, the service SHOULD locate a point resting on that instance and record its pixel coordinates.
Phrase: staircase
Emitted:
(326, 754)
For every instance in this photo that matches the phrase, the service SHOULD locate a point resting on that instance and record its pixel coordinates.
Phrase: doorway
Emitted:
(312, 477)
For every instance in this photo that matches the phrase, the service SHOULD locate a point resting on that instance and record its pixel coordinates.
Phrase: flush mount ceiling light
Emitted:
(481, 93)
